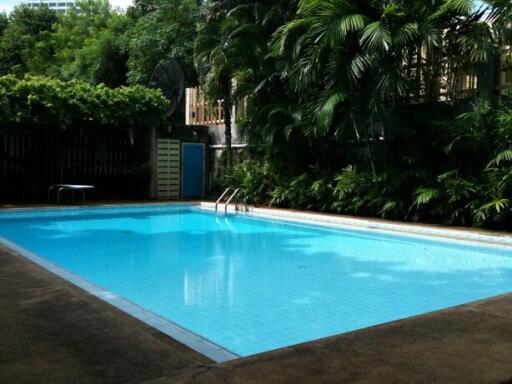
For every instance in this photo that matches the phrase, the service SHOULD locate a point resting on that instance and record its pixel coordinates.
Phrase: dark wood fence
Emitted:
(33, 159)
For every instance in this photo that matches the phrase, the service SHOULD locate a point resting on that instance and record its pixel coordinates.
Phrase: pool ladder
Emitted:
(231, 197)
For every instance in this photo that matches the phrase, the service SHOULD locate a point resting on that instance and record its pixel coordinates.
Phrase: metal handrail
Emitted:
(233, 195)
(245, 201)
(221, 197)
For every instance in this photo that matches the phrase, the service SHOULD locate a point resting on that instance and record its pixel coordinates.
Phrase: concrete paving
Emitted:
(53, 332)
(467, 344)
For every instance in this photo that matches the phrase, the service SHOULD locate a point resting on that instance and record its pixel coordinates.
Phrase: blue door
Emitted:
(193, 170)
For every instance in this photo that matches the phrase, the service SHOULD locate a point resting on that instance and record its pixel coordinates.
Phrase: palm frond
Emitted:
(457, 7)
(376, 37)
(286, 35)
(247, 31)
(360, 63)
(406, 34)
(500, 158)
(496, 205)
(337, 31)
(325, 112)
(423, 196)
(430, 32)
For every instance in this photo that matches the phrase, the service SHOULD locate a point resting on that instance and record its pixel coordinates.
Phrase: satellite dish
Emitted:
(169, 78)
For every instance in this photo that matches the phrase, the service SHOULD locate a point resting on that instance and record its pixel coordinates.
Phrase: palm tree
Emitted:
(357, 60)
(271, 122)
(500, 12)
(232, 48)
(213, 63)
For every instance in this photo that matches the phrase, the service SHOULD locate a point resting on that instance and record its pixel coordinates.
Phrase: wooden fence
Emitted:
(200, 112)
(33, 159)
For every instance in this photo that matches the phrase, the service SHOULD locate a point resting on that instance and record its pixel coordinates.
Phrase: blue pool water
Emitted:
(251, 285)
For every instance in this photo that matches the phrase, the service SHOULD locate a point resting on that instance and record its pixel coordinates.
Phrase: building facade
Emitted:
(54, 5)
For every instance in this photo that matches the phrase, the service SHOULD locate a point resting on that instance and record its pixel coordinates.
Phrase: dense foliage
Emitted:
(99, 44)
(24, 32)
(167, 30)
(41, 101)
(451, 171)
(232, 54)
(354, 106)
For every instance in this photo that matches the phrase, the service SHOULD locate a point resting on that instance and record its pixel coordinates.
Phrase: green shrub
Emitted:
(253, 177)
(455, 171)
(42, 101)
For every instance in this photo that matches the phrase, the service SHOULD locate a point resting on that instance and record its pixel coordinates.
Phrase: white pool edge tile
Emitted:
(375, 226)
(97, 206)
(190, 339)
(48, 210)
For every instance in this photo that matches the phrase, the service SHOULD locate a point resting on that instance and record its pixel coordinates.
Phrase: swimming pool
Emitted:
(250, 284)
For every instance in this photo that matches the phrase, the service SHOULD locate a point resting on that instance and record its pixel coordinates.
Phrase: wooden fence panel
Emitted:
(31, 160)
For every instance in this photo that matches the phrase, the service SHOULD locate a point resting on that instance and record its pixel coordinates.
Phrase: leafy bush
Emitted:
(478, 188)
(254, 178)
(309, 191)
(457, 172)
(43, 101)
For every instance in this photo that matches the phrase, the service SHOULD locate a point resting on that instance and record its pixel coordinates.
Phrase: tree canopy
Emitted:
(98, 44)
(25, 32)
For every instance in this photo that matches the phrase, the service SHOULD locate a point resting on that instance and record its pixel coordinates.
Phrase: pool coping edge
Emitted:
(367, 224)
(192, 340)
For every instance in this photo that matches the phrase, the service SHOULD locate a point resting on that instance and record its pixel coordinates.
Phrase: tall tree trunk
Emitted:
(419, 75)
(428, 76)
(410, 59)
(227, 105)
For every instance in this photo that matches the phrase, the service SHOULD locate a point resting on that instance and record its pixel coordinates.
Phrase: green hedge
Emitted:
(42, 101)
(439, 167)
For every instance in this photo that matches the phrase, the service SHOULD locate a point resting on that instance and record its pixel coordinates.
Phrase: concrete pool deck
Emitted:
(53, 331)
